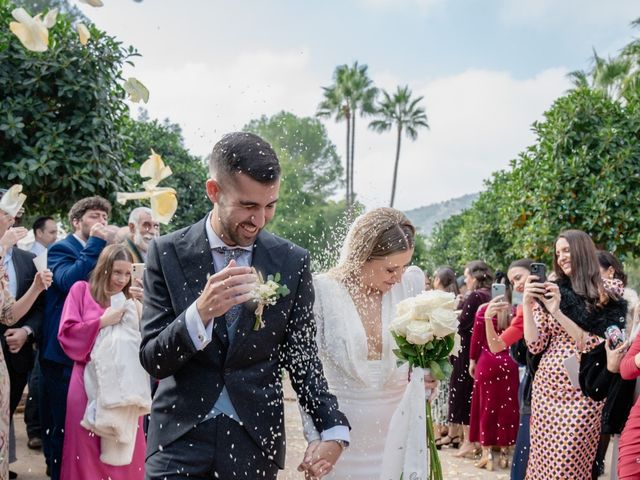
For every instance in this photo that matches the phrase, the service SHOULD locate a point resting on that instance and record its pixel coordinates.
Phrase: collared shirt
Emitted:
(38, 248)
(82, 242)
(10, 270)
(201, 335)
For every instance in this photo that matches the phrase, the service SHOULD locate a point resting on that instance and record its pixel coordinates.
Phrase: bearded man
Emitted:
(142, 229)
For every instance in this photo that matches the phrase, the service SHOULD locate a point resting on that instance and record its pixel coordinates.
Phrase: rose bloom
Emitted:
(419, 333)
(444, 322)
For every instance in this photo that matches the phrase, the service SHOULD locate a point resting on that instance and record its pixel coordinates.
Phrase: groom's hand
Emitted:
(320, 458)
(229, 287)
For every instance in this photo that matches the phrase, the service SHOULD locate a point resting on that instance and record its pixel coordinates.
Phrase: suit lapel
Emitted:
(194, 255)
(22, 282)
(264, 263)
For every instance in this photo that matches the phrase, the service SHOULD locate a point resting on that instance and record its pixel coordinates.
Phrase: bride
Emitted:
(355, 303)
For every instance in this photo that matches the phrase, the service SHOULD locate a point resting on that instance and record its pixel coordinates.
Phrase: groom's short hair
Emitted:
(243, 152)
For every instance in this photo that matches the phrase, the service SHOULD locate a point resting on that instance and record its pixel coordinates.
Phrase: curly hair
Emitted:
(89, 203)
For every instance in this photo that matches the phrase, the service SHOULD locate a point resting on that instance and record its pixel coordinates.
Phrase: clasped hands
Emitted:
(320, 458)
(227, 288)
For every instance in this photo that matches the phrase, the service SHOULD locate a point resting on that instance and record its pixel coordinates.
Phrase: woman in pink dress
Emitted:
(494, 403)
(629, 448)
(86, 311)
(578, 308)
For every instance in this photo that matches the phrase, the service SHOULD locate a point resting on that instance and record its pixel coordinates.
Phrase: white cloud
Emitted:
(479, 119)
(423, 7)
(553, 13)
(208, 101)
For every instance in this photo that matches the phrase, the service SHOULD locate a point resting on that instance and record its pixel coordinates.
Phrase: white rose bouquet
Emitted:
(426, 332)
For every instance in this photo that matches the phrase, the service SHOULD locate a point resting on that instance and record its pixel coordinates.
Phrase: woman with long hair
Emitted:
(517, 273)
(355, 304)
(562, 321)
(478, 278)
(87, 312)
(444, 279)
(494, 403)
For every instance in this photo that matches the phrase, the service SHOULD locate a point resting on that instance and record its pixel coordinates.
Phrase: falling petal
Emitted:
(83, 33)
(31, 32)
(11, 202)
(50, 18)
(136, 90)
(163, 205)
(93, 3)
(155, 169)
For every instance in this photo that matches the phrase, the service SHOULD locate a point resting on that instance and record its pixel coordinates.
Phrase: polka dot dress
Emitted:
(565, 424)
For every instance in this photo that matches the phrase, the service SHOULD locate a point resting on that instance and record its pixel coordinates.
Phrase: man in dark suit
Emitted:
(218, 411)
(71, 259)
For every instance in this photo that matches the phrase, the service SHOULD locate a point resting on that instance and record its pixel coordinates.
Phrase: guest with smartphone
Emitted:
(578, 309)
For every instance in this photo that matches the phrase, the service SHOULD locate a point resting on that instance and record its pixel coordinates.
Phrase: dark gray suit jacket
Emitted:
(191, 381)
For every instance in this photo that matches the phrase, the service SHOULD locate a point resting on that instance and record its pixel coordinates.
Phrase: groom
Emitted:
(218, 411)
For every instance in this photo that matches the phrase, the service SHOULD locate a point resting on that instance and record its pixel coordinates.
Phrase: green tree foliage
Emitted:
(311, 174)
(189, 172)
(583, 172)
(60, 112)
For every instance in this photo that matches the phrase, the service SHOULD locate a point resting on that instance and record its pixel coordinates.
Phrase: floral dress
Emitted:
(6, 303)
(565, 423)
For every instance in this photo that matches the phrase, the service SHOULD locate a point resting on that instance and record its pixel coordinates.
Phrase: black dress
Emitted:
(461, 384)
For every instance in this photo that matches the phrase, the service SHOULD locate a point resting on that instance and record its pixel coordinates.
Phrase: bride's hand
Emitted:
(308, 455)
(323, 458)
(431, 384)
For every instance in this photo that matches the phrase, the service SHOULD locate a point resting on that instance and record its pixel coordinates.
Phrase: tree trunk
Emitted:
(348, 162)
(351, 158)
(395, 167)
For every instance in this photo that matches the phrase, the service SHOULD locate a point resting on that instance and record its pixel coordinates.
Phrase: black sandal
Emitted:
(452, 442)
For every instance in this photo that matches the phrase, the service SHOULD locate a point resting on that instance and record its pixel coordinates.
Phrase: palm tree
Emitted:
(404, 112)
(351, 92)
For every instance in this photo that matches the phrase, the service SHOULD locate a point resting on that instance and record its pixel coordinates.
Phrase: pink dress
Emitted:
(79, 327)
(494, 403)
(629, 451)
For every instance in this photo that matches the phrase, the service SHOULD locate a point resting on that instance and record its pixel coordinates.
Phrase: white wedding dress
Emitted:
(368, 391)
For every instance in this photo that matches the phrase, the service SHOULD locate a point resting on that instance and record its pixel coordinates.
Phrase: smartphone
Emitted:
(137, 270)
(614, 336)
(498, 289)
(540, 271)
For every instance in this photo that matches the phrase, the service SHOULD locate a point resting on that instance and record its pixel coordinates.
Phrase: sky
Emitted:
(486, 69)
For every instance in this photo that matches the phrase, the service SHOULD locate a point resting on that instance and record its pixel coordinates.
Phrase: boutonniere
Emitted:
(267, 293)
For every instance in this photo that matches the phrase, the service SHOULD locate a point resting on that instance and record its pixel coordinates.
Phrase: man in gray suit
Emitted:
(218, 411)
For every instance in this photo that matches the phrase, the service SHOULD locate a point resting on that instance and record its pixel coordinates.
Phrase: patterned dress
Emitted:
(6, 302)
(565, 424)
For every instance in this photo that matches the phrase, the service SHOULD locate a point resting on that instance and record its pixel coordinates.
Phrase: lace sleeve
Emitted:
(6, 299)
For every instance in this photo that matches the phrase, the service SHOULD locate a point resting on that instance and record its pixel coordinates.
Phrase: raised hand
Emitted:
(42, 280)
(136, 290)
(107, 233)
(551, 298)
(533, 290)
(12, 237)
(496, 306)
(229, 287)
